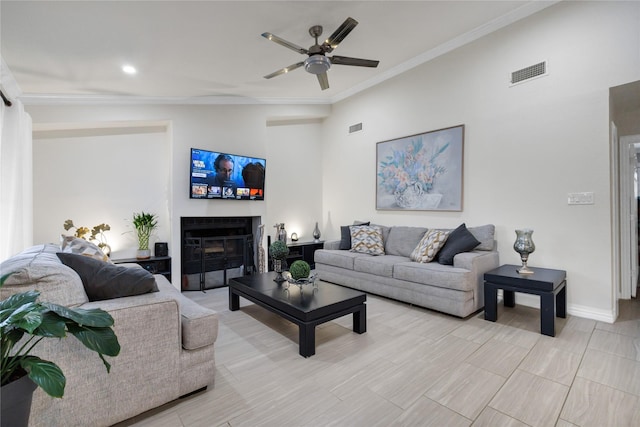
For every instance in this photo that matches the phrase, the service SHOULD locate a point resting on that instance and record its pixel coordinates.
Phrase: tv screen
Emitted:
(217, 175)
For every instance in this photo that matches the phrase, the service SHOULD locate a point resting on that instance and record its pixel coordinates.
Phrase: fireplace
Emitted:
(215, 249)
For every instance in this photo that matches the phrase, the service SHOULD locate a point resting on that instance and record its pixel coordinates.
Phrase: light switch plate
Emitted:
(585, 198)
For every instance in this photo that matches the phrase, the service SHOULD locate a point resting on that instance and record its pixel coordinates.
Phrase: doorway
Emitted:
(629, 206)
(624, 103)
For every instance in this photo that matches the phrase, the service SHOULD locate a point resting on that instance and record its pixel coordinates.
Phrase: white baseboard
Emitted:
(572, 309)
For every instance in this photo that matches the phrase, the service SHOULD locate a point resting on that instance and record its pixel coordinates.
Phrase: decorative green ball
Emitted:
(278, 250)
(299, 270)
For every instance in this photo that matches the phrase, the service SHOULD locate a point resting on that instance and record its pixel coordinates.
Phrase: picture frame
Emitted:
(422, 172)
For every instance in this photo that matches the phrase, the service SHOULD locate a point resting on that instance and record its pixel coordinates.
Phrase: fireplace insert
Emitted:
(215, 249)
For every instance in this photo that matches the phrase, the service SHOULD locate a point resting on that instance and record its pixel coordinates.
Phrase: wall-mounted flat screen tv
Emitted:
(218, 175)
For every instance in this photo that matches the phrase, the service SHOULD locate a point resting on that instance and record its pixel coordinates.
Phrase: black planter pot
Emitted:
(16, 402)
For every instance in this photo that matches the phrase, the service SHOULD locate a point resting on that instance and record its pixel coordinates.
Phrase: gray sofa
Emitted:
(454, 289)
(167, 346)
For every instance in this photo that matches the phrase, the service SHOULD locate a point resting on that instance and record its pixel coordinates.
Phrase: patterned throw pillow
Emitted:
(429, 246)
(367, 239)
(345, 235)
(76, 245)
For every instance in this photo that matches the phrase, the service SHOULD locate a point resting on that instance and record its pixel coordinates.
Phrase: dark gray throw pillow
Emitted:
(345, 235)
(459, 240)
(103, 280)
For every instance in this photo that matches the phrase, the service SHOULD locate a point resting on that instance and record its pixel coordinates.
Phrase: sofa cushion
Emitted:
(435, 274)
(76, 245)
(38, 268)
(385, 231)
(378, 265)
(337, 258)
(485, 235)
(429, 245)
(103, 280)
(403, 240)
(345, 235)
(367, 239)
(459, 240)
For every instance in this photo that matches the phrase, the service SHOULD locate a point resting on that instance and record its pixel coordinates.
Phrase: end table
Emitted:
(549, 284)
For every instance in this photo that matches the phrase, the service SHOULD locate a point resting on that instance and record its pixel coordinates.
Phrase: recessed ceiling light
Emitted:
(129, 69)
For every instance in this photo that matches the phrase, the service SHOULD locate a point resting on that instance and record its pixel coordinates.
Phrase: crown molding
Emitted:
(53, 99)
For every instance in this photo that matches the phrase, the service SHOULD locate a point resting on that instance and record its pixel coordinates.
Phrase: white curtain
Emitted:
(16, 172)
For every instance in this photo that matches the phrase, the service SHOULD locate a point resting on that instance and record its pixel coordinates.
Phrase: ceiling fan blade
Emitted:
(284, 70)
(345, 60)
(323, 80)
(338, 35)
(284, 43)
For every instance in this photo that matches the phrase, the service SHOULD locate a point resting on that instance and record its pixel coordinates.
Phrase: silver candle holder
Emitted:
(524, 246)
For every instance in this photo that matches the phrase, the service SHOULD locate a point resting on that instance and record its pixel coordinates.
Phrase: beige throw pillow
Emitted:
(429, 245)
(76, 245)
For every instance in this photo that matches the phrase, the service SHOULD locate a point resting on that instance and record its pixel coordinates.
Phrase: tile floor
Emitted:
(416, 367)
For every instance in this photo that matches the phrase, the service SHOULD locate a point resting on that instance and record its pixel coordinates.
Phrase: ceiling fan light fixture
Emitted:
(317, 64)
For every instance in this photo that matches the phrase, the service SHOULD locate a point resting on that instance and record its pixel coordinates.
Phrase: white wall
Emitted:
(103, 177)
(526, 146)
(236, 129)
(295, 186)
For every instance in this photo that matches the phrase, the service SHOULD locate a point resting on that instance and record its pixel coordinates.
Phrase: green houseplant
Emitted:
(144, 224)
(25, 322)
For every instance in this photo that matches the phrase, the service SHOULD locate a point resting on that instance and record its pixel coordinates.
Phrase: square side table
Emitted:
(549, 284)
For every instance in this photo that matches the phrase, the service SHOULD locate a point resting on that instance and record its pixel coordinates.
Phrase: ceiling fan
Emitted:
(318, 63)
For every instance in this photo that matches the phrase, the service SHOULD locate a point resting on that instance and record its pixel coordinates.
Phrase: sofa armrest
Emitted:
(331, 244)
(199, 324)
(477, 261)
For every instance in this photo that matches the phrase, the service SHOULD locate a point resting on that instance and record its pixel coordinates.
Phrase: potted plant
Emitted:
(24, 322)
(144, 224)
(278, 252)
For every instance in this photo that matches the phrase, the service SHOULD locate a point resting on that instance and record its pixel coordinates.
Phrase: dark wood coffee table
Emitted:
(306, 307)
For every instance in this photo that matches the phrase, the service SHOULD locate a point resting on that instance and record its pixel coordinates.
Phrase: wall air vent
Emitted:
(355, 128)
(528, 73)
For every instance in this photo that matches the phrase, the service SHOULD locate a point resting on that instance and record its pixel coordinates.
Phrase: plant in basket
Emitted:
(299, 270)
(300, 274)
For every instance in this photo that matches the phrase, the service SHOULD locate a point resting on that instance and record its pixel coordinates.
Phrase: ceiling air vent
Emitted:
(355, 128)
(529, 73)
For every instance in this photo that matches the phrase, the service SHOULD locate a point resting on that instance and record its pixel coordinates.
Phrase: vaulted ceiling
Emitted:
(209, 51)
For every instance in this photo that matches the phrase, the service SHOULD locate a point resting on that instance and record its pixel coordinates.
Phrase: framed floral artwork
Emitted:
(421, 172)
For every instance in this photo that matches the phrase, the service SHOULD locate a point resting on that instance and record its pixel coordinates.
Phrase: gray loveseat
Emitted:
(167, 346)
(454, 289)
